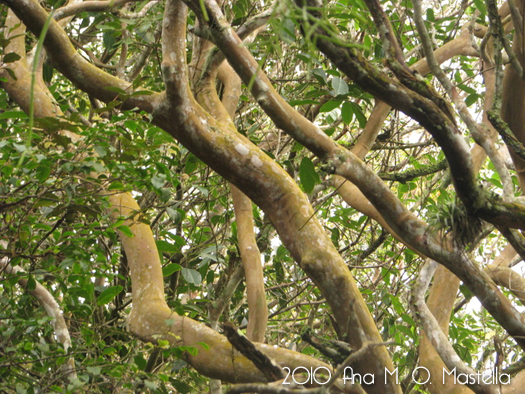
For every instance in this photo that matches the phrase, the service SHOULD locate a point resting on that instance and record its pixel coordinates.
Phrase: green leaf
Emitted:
(191, 276)
(109, 351)
(180, 386)
(11, 73)
(101, 151)
(287, 32)
(43, 171)
(179, 241)
(107, 295)
(109, 39)
(174, 215)
(466, 88)
(165, 246)
(140, 361)
(158, 180)
(347, 112)
(360, 116)
(126, 231)
(20, 147)
(330, 105)
(94, 370)
(31, 283)
(11, 57)
(471, 99)
(307, 175)
(142, 93)
(320, 75)
(170, 269)
(116, 186)
(13, 115)
(116, 89)
(430, 15)
(340, 87)
(480, 5)
(164, 344)
(205, 346)
(203, 190)
(150, 385)
(408, 319)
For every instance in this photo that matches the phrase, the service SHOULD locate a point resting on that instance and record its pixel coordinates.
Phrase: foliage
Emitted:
(54, 222)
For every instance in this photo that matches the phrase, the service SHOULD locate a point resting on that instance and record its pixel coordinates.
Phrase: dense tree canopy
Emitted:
(252, 197)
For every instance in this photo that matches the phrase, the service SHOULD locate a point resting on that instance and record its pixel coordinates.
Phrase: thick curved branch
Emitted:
(151, 319)
(234, 157)
(398, 217)
(245, 33)
(20, 88)
(417, 233)
(350, 61)
(261, 88)
(224, 111)
(440, 302)
(513, 105)
(83, 74)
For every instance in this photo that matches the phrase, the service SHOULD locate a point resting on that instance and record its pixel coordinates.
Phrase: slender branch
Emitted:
(409, 175)
(141, 14)
(436, 335)
(48, 302)
(271, 371)
(517, 19)
(499, 33)
(506, 134)
(89, 6)
(508, 278)
(478, 132)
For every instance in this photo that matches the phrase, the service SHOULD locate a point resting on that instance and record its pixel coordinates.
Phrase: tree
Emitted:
(361, 141)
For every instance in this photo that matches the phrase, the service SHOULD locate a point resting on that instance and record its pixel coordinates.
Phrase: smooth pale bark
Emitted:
(443, 292)
(151, 319)
(191, 119)
(250, 254)
(505, 256)
(440, 302)
(508, 278)
(251, 260)
(513, 103)
(446, 285)
(20, 89)
(224, 110)
(350, 193)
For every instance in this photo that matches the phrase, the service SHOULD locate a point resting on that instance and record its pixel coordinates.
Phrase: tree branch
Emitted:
(436, 336)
